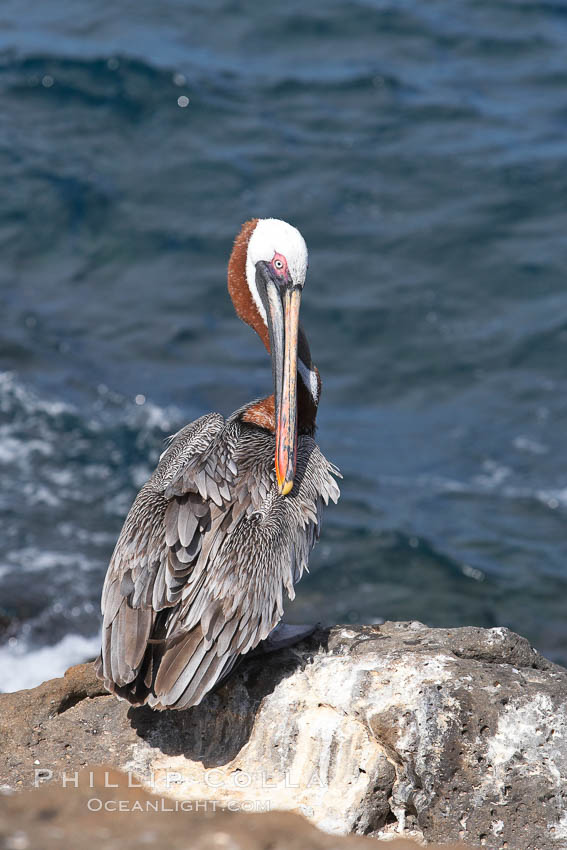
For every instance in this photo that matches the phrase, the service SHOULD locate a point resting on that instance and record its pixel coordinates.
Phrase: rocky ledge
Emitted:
(435, 734)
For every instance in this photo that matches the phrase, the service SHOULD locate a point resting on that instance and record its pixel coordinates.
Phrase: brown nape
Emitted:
(238, 286)
(262, 413)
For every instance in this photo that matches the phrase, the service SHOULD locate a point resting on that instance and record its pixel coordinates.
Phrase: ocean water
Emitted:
(420, 148)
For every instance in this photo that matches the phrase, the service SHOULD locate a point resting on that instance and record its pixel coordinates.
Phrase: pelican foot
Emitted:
(284, 636)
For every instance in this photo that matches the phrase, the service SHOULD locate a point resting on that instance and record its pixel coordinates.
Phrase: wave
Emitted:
(69, 475)
(25, 667)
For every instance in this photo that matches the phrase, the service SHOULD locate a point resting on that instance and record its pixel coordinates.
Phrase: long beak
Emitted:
(283, 311)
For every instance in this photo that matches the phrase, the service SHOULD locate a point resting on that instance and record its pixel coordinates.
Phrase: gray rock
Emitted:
(437, 734)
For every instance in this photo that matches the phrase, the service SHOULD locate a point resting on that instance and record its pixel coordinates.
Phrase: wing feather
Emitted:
(187, 523)
(171, 520)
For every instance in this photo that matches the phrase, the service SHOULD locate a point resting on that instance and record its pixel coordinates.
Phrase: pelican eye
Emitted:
(278, 264)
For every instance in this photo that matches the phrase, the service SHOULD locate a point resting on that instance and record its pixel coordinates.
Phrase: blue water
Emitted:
(420, 148)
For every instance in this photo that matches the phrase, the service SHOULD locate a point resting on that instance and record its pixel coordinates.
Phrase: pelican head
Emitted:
(275, 270)
(276, 265)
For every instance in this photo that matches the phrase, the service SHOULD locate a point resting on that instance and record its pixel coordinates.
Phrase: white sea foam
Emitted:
(528, 444)
(33, 559)
(12, 390)
(23, 667)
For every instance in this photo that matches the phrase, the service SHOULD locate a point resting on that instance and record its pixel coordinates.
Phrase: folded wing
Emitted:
(208, 548)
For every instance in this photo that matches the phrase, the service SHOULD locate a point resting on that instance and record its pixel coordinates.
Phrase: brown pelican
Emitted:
(226, 522)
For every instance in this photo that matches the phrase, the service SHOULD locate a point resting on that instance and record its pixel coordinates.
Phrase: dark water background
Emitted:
(421, 149)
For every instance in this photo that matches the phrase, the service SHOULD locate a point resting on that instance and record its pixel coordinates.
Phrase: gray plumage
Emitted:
(198, 574)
